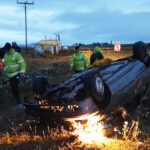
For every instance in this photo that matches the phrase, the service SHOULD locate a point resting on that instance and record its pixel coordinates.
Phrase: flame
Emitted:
(87, 133)
(90, 130)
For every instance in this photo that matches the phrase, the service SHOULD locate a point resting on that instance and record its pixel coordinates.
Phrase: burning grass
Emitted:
(84, 134)
(65, 142)
(88, 128)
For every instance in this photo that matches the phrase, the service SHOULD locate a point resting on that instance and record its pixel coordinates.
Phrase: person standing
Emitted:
(14, 68)
(16, 47)
(79, 61)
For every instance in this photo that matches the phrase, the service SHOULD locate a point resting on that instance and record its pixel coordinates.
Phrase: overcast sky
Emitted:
(81, 21)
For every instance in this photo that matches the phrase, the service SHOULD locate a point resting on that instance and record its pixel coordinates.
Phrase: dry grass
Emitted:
(36, 64)
(60, 138)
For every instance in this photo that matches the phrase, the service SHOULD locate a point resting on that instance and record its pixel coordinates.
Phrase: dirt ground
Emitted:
(18, 131)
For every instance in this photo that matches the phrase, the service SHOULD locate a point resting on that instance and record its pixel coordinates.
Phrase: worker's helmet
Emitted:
(7, 46)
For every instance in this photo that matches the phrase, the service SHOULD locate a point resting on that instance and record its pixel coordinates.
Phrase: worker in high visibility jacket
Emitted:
(96, 55)
(14, 68)
(97, 49)
(79, 61)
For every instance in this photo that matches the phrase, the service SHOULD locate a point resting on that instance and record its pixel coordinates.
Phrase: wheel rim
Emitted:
(99, 85)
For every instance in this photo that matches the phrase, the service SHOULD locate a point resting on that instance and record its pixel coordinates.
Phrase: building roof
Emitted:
(49, 42)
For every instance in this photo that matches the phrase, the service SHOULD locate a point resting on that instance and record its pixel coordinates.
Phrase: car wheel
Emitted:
(95, 87)
(95, 56)
(39, 85)
(140, 52)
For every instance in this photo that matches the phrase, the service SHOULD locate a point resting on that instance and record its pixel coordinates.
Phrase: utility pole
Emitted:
(25, 9)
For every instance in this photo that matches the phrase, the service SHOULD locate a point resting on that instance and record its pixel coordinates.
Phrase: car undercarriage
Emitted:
(104, 88)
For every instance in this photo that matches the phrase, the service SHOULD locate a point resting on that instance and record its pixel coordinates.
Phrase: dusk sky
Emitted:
(81, 21)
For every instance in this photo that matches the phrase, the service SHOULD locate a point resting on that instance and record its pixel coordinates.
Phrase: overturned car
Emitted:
(120, 83)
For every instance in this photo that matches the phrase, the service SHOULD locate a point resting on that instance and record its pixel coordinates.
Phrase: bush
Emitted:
(48, 54)
(68, 52)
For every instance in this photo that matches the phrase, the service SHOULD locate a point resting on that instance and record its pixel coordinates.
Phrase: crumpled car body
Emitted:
(120, 83)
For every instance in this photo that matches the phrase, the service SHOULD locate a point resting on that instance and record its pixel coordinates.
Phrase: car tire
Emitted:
(140, 52)
(39, 85)
(95, 87)
(95, 56)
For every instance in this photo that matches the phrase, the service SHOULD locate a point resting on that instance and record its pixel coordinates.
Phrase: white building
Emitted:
(50, 45)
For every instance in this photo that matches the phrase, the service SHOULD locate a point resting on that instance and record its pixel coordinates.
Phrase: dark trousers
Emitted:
(14, 81)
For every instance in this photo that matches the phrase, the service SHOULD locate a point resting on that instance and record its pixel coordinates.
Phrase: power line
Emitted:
(25, 9)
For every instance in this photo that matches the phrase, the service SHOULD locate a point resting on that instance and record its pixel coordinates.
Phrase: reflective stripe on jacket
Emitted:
(14, 64)
(79, 61)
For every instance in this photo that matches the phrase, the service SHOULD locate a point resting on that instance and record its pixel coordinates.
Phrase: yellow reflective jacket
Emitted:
(14, 63)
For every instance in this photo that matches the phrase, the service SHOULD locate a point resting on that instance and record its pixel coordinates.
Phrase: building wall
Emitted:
(50, 45)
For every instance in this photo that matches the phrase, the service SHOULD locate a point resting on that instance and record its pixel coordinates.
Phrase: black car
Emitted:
(120, 83)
